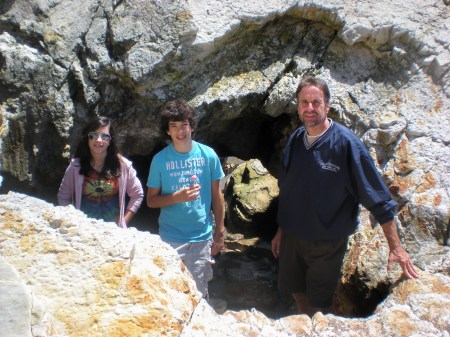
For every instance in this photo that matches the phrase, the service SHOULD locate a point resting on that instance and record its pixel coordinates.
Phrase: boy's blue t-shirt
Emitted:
(171, 171)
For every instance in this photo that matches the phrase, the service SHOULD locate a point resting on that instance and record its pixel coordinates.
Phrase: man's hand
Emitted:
(276, 244)
(396, 252)
(400, 256)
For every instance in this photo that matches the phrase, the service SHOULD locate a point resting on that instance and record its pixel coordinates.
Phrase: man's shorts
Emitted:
(312, 267)
(196, 256)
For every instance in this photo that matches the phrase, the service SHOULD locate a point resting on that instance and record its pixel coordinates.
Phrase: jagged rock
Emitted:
(16, 302)
(64, 274)
(250, 195)
(414, 308)
(365, 281)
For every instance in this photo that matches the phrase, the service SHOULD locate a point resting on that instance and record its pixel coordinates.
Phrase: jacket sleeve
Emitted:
(134, 190)
(370, 189)
(66, 189)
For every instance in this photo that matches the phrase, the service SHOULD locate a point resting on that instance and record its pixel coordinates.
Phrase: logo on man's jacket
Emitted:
(329, 166)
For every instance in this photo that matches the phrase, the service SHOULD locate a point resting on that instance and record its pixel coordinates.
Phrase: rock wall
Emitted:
(238, 64)
(62, 274)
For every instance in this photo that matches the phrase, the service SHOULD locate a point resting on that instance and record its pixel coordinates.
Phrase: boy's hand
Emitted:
(189, 193)
(218, 240)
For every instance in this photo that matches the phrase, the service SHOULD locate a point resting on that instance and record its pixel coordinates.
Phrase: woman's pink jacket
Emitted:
(72, 184)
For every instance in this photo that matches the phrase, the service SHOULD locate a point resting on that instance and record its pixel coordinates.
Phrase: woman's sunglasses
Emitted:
(104, 136)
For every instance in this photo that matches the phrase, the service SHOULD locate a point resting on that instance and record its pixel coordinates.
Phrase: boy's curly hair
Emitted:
(177, 110)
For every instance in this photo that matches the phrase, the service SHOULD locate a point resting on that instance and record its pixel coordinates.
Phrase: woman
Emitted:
(99, 177)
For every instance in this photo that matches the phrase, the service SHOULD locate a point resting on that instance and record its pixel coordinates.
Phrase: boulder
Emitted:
(86, 278)
(250, 194)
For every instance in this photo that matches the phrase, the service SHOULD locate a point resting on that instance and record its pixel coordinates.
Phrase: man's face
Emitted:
(312, 108)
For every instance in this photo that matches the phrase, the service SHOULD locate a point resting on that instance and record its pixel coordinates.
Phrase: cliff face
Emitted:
(238, 64)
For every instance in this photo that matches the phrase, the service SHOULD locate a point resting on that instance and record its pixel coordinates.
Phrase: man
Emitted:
(326, 173)
(184, 182)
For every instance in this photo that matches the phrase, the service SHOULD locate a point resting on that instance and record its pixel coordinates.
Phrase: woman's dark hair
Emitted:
(315, 82)
(177, 110)
(111, 167)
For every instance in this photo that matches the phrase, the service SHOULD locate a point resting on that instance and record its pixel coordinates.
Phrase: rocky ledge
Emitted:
(62, 274)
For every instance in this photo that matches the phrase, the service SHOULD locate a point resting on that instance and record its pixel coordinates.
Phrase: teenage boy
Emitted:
(184, 182)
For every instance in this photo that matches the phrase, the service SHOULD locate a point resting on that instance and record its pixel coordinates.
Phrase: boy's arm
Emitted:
(218, 208)
(156, 200)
